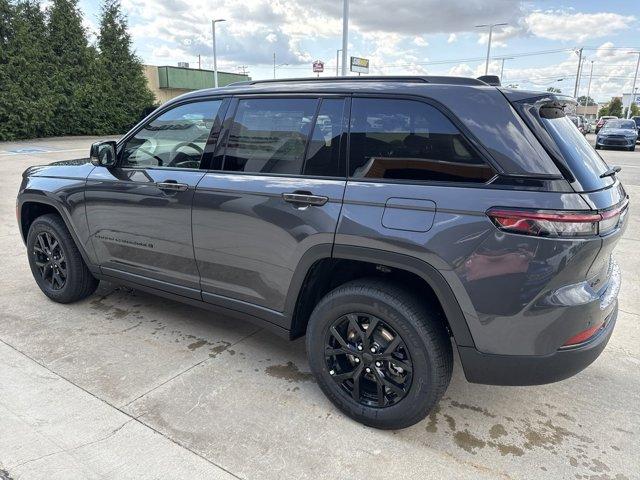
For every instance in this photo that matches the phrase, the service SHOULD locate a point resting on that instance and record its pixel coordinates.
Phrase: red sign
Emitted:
(318, 66)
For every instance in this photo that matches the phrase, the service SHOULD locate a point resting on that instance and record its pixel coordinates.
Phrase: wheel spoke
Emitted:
(42, 245)
(347, 375)
(355, 393)
(338, 337)
(392, 345)
(373, 323)
(353, 323)
(332, 352)
(379, 389)
(398, 389)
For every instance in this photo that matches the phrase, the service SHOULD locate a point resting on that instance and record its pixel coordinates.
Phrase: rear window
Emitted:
(572, 152)
(583, 161)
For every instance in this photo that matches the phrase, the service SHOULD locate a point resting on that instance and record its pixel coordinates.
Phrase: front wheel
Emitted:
(380, 354)
(56, 263)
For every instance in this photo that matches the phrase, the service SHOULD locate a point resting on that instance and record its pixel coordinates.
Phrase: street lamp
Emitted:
(345, 35)
(215, 62)
(633, 88)
(491, 27)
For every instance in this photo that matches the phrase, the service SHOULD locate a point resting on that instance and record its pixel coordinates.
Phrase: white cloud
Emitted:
(578, 27)
(420, 41)
(452, 38)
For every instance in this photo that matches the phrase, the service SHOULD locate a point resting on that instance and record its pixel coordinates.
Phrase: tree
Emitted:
(589, 101)
(6, 35)
(604, 111)
(124, 93)
(26, 111)
(554, 90)
(615, 107)
(72, 69)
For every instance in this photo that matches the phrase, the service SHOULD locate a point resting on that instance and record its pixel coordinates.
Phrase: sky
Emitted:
(401, 37)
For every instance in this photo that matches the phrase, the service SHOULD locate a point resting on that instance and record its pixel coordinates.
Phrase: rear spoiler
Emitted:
(492, 80)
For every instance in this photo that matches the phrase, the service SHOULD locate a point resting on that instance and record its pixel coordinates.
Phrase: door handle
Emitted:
(305, 199)
(172, 186)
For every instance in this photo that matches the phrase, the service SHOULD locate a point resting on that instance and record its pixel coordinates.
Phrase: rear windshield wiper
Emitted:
(611, 172)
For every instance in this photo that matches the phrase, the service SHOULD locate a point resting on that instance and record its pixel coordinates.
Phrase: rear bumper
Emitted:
(493, 369)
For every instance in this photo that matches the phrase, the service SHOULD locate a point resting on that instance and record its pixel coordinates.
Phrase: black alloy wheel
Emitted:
(368, 359)
(50, 260)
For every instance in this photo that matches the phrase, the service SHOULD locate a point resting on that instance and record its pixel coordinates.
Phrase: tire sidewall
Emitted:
(420, 397)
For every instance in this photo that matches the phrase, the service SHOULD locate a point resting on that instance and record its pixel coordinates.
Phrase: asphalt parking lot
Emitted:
(128, 385)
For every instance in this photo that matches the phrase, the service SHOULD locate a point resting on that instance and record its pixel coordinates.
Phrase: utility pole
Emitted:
(502, 67)
(575, 89)
(199, 63)
(633, 88)
(215, 62)
(274, 65)
(580, 76)
(345, 35)
(586, 100)
(338, 62)
(491, 27)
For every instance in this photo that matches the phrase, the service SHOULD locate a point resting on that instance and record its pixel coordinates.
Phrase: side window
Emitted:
(409, 140)
(323, 153)
(269, 135)
(175, 139)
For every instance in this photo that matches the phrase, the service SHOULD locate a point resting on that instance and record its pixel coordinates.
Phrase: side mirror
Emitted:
(103, 154)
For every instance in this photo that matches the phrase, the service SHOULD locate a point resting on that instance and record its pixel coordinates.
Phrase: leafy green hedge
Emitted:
(53, 81)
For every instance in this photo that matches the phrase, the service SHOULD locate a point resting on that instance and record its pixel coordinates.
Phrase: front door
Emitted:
(276, 195)
(139, 212)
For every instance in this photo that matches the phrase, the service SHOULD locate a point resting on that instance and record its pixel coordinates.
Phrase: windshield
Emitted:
(624, 124)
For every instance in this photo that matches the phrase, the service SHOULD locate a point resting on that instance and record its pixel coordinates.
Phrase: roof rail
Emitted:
(368, 78)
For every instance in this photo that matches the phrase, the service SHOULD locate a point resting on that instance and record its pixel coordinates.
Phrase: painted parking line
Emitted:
(37, 151)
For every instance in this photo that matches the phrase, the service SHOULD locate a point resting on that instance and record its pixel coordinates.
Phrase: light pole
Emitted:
(338, 61)
(575, 89)
(491, 27)
(579, 79)
(586, 100)
(633, 88)
(502, 67)
(215, 61)
(345, 35)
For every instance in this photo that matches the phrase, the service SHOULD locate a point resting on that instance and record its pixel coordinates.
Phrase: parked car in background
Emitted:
(602, 120)
(637, 120)
(388, 219)
(618, 133)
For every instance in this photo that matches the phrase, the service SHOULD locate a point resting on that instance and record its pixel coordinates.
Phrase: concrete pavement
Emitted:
(128, 385)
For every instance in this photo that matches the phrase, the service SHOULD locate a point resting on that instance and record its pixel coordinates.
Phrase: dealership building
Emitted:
(168, 82)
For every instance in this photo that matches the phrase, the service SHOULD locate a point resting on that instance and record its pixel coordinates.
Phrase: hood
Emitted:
(76, 168)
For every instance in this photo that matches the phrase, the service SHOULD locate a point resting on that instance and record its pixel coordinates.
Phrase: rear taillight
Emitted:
(554, 223)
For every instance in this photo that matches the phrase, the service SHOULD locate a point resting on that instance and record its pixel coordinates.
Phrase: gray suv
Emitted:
(388, 219)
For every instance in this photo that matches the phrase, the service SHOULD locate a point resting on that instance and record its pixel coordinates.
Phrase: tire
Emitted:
(597, 147)
(78, 283)
(425, 344)
(632, 149)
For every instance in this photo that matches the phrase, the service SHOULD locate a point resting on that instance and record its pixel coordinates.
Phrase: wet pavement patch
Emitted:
(289, 372)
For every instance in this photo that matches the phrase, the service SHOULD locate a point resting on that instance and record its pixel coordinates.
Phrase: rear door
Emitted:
(139, 212)
(273, 194)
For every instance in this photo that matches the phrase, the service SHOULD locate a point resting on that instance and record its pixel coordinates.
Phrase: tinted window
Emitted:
(175, 139)
(405, 139)
(269, 135)
(583, 161)
(323, 153)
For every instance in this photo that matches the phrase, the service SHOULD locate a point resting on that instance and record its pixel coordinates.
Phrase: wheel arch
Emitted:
(313, 278)
(31, 206)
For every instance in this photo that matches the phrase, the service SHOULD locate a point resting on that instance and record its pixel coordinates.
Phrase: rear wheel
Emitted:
(380, 355)
(56, 263)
